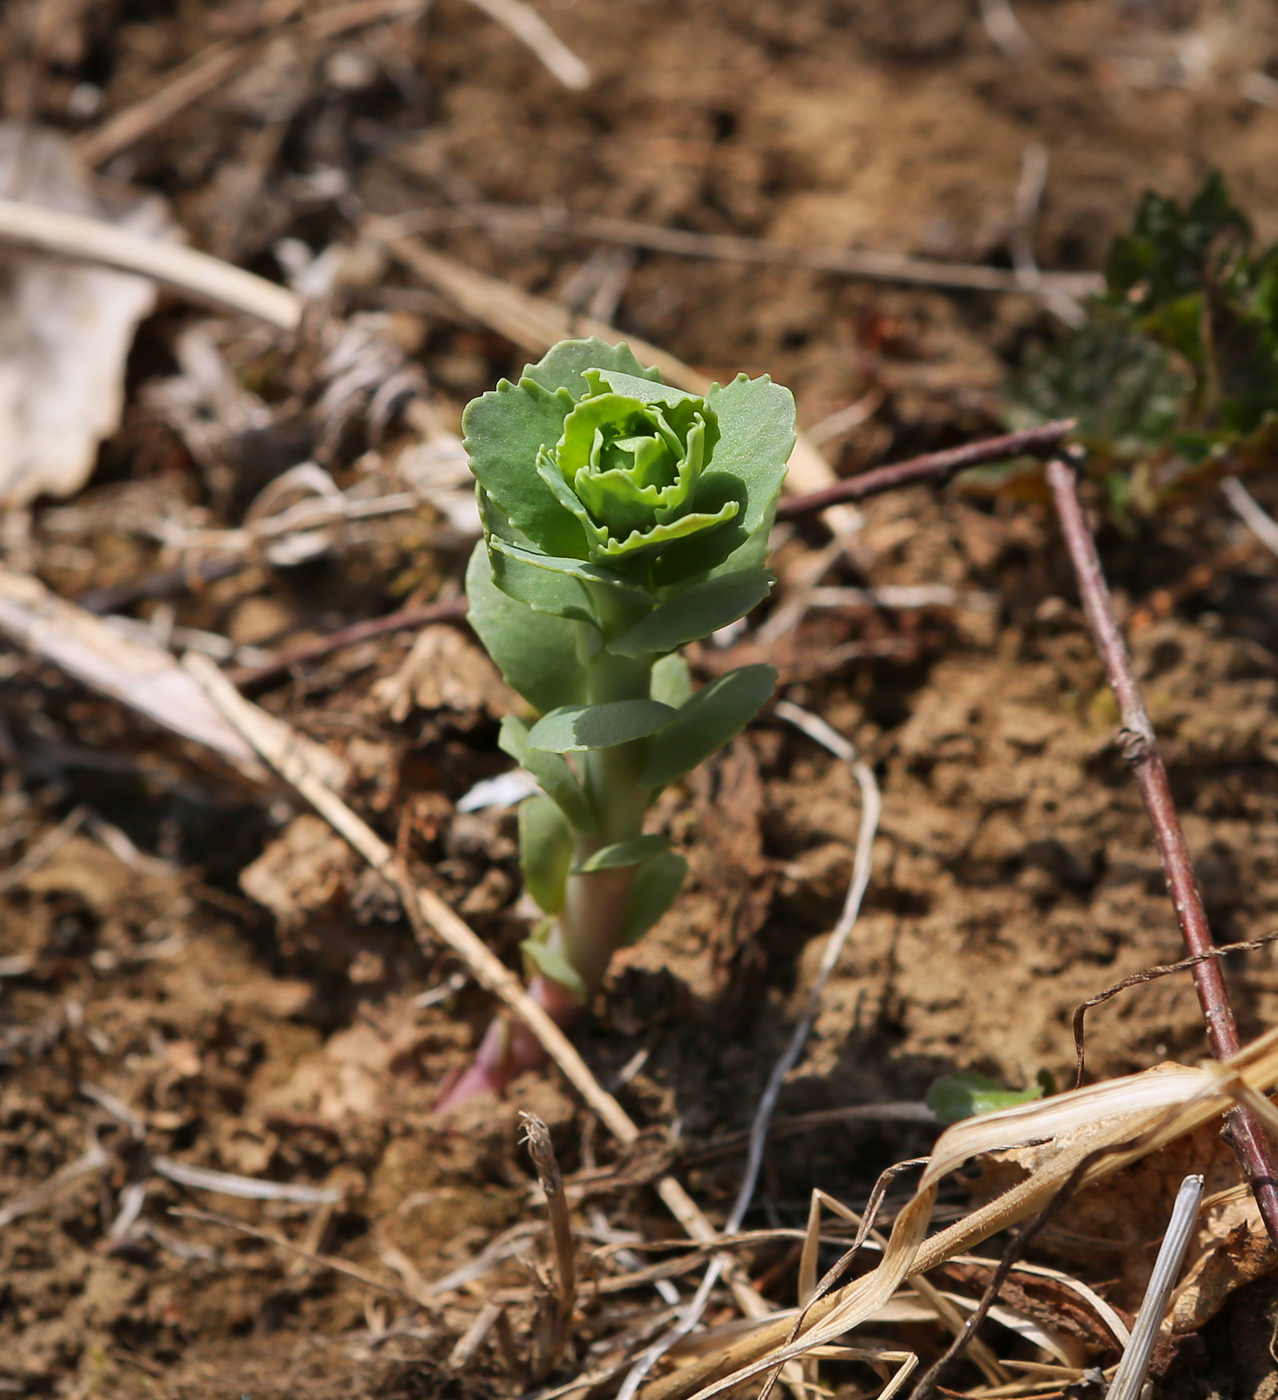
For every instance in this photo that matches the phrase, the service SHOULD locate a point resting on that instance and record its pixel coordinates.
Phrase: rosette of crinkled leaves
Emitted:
(613, 499)
(623, 519)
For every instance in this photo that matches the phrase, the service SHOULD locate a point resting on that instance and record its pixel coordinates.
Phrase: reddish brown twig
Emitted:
(1033, 442)
(1140, 749)
(448, 611)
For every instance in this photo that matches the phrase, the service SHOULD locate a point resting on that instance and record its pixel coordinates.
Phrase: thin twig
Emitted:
(1140, 749)
(44, 849)
(1032, 442)
(196, 274)
(529, 28)
(1130, 1376)
(1249, 510)
(882, 267)
(220, 61)
(1148, 975)
(323, 1261)
(449, 610)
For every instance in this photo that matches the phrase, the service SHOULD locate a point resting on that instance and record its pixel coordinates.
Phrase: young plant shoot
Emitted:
(622, 519)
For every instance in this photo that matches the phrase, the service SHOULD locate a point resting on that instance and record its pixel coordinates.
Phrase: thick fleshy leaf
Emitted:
(545, 851)
(716, 713)
(503, 430)
(622, 853)
(653, 890)
(645, 389)
(555, 778)
(561, 367)
(579, 727)
(623, 592)
(553, 592)
(695, 523)
(756, 437)
(536, 654)
(695, 613)
(671, 681)
(551, 963)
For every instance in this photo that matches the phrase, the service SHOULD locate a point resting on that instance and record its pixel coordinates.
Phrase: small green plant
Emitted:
(1174, 378)
(623, 519)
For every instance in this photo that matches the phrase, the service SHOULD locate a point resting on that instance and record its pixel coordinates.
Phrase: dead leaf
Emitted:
(445, 671)
(67, 327)
(1126, 1216)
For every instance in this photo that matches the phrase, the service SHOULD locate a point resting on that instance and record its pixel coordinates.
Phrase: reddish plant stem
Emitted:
(1140, 749)
(1036, 442)
(450, 610)
(509, 1048)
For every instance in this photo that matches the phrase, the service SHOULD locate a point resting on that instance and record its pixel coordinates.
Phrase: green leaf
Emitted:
(653, 890)
(562, 366)
(535, 653)
(671, 681)
(622, 853)
(549, 592)
(648, 390)
(555, 778)
(577, 727)
(695, 613)
(545, 851)
(551, 963)
(716, 713)
(959, 1096)
(503, 430)
(544, 580)
(756, 437)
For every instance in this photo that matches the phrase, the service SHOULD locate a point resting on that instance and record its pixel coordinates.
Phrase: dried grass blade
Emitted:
(1106, 1127)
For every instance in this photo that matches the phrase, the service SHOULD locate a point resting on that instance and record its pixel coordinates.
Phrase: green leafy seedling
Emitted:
(623, 519)
(1174, 377)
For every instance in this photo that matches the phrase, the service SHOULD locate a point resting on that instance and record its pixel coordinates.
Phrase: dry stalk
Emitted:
(542, 1152)
(1140, 749)
(1095, 1129)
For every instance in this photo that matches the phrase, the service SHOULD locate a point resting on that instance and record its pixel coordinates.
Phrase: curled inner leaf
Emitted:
(629, 469)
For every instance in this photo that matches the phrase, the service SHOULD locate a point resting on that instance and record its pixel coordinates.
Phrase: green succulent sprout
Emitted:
(622, 519)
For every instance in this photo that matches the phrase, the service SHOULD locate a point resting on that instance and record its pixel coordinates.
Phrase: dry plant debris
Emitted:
(221, 1037)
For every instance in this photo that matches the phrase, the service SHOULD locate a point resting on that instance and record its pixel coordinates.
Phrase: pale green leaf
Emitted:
(550, 592)
(561, 367)
(551, 963)
(623, 853)
(545, 851)
(717, 713)
(578, 727)
(959, 1096)
(748, 465)
(503, 431)
(695, 613)
(547, 572)
(535, 653)
(555, 778)
(671, 681)
(653, 890)
(645, 389)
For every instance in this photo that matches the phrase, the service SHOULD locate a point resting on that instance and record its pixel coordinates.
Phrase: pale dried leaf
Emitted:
(65, 328)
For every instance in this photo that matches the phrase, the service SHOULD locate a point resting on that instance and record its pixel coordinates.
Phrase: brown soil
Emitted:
(240, 996)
